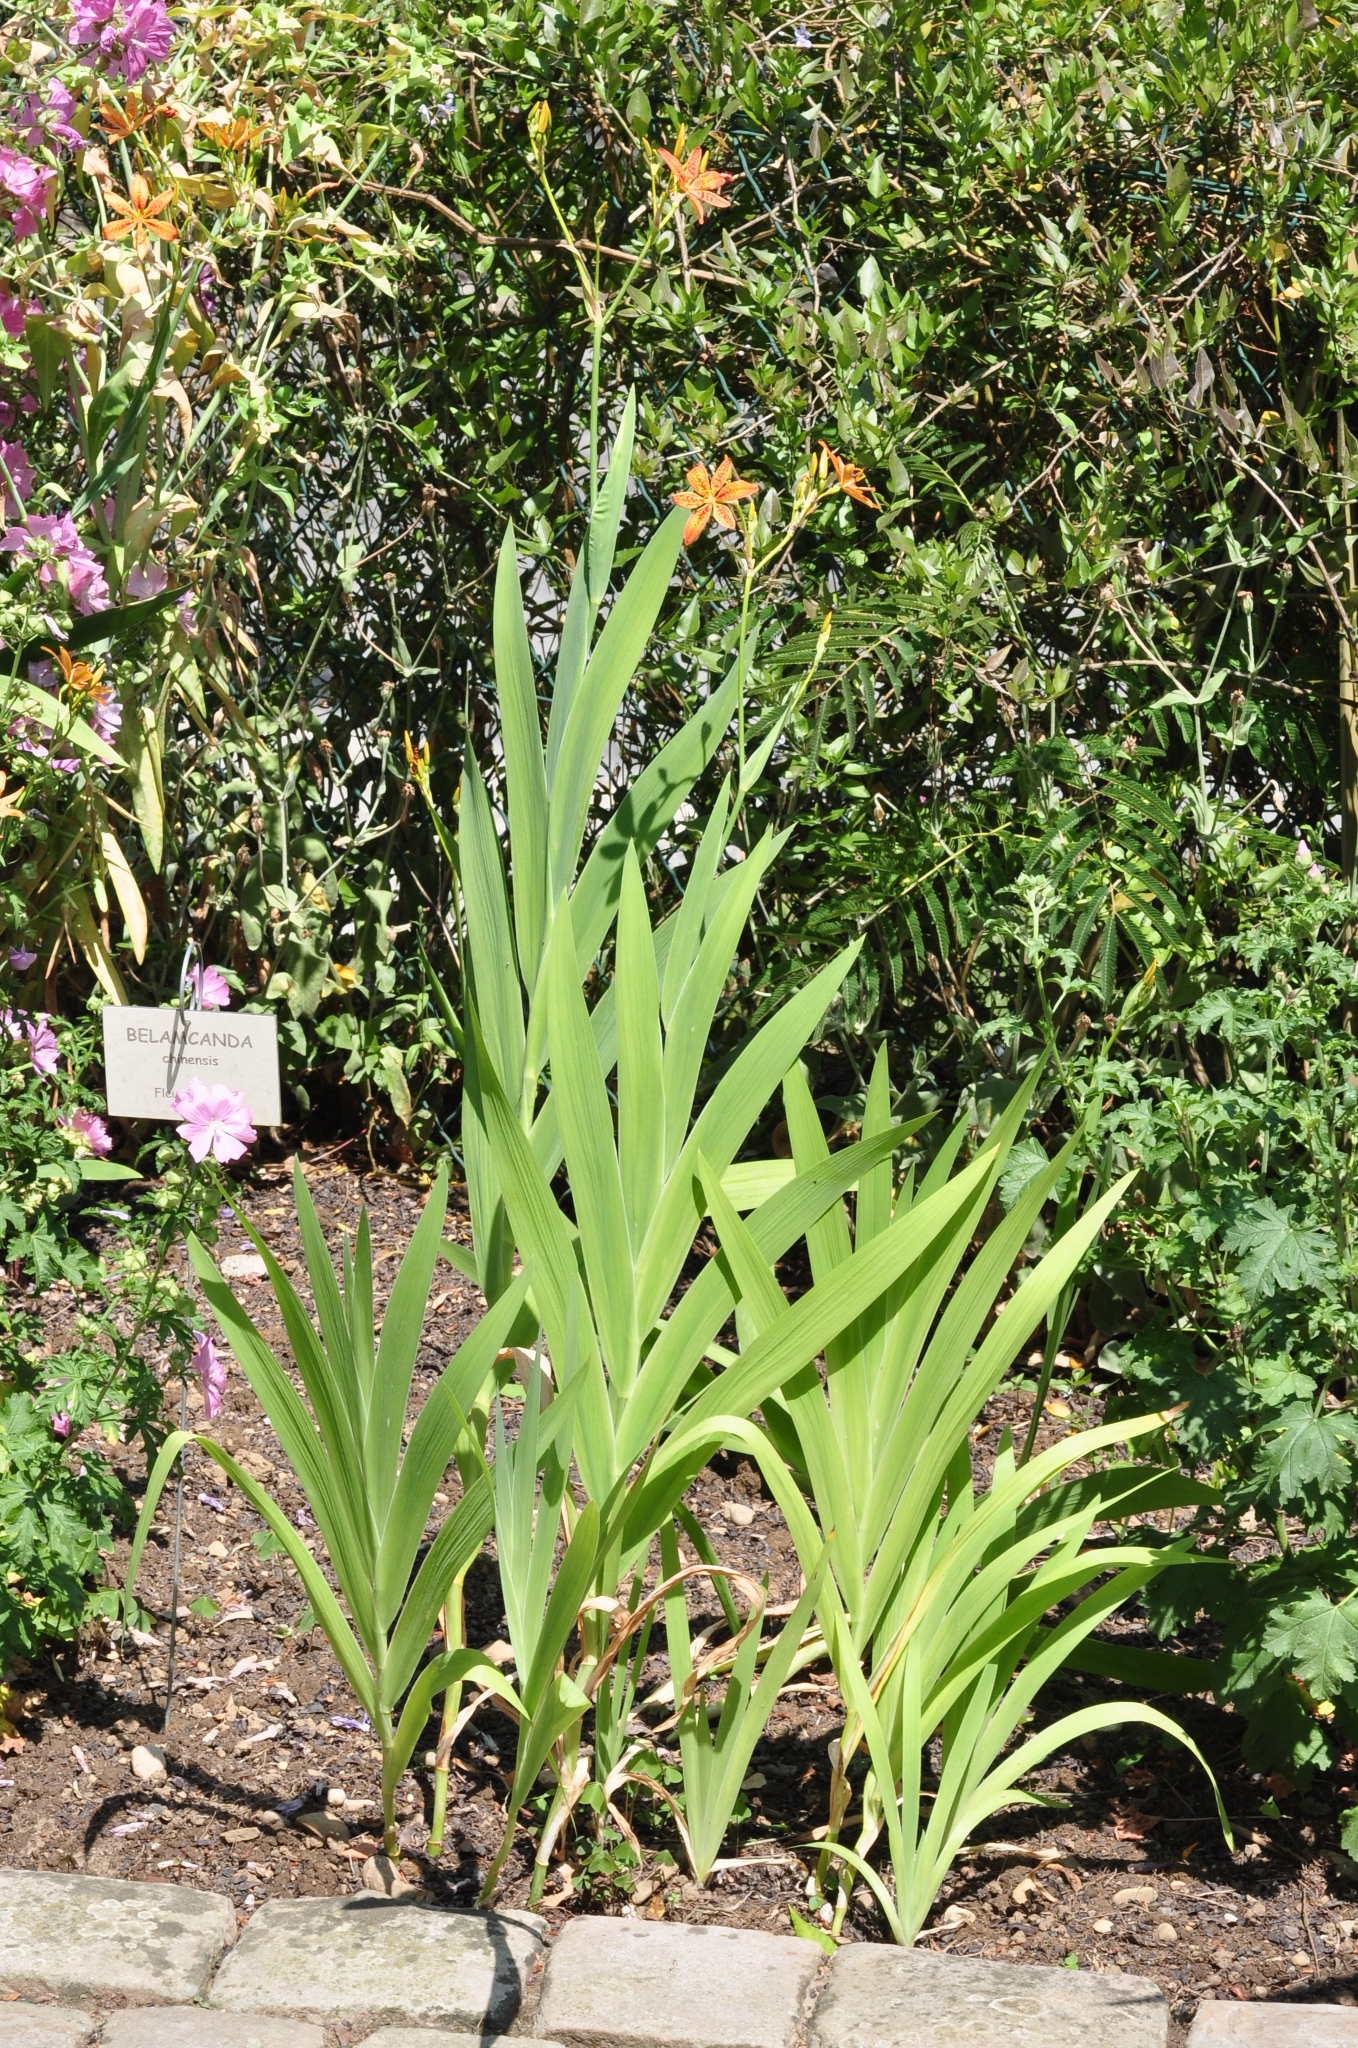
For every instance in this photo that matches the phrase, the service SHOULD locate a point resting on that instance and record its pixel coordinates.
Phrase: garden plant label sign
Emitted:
(150, 1054)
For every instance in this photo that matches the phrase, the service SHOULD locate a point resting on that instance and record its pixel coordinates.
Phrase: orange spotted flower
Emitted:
(88, 689)
(692, 179)
(139, 216)
(120, 123)
(230, 138)
(850, 478)
(711, 497)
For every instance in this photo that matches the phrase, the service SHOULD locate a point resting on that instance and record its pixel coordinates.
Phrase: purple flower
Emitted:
(103, 710)
(216, 1120)
(359, 1723)
(21, 960)
(49, 118)
(28, 184)
(800, 38)
(14, 312)
(88, 1133)
(42, 1044)
(52, 541)
(61, 1425)
(210, 988)
(130, 34)
(148, 579)
(16, 479)
(210, 1367)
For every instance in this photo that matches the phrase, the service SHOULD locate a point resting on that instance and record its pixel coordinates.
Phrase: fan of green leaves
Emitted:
(371, 1499)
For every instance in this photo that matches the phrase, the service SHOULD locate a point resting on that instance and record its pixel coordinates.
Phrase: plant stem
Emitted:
(452, 1620)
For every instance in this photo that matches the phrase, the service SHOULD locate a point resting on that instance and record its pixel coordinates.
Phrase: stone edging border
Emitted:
(160, 1966)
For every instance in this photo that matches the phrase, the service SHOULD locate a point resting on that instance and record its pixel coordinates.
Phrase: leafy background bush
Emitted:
(1074, 290)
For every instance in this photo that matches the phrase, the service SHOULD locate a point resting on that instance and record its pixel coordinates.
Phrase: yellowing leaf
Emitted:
(80, 920)
(125, 888)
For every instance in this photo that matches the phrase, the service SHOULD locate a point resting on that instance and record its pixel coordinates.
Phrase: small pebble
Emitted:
(380, 1874)
(737, 1513)
(1165, 1934)
(1135, 1895)
(326, 1826)
(336, 1796)
(241, 1835)
(1103, 1927)
(148, 1763)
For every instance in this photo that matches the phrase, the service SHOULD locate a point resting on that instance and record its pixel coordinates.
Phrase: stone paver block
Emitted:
(43, 2026)
(439, 2037)
(1235, 2024)
(896, 1998)
(652, 1984)
(367, 1959)
(80, 1937)
(191, 2026)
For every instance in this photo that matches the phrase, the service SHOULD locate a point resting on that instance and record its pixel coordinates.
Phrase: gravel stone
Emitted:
(366, 1960)
(1235, 2024)
(191, 2026)
(438, 2037)
(43, 2026)
(654, 1984)
(893, 1998)
(85, 1937)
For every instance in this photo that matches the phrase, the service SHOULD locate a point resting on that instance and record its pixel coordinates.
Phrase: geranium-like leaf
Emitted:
(1306, 1460)
(1318, 1640)
(1275, 1253)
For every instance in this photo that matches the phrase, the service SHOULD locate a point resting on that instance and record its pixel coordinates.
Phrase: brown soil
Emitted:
(263, 1729)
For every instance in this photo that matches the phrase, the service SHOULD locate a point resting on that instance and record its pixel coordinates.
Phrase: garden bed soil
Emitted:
(1131, 1875)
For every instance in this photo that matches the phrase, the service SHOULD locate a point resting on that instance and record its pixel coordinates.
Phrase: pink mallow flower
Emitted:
(216, 1120)
(88, 1133)
(42, 1044)
(16, 479)
(210, 990)
(28, 184)
(61, 1425)
(46, 118)
(52, 541)
(210, 1367)
(14, 312)
(130, 34)
(148, 579)
(42, 1040)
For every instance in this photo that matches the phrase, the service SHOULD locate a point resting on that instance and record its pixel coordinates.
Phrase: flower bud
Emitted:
(539, 121)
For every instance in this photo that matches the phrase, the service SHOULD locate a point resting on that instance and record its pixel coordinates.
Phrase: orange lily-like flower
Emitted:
(11, 806)
(231, 138)
(850, 479)
(417, 761)
(692, 179)
(139, 216)
(86, 686)
(711, 497)
(120, 123)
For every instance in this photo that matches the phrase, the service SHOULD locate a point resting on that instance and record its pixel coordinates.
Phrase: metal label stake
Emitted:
(178, 1042)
